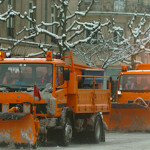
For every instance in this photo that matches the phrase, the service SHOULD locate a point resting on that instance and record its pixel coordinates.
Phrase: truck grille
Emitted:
(41, 108)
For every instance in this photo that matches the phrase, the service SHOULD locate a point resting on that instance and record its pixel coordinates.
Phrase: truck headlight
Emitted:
(119, 93)
(27, 108)
(5, 107)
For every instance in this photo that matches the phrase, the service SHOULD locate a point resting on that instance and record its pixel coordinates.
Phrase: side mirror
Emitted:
(66, 75)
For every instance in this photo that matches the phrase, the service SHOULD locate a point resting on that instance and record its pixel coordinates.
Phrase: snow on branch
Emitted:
(137, 30)
(80, 13)
(50, 24)
(93, 27)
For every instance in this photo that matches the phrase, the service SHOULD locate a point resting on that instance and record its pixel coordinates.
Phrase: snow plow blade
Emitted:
(128, 117)
(18, 128)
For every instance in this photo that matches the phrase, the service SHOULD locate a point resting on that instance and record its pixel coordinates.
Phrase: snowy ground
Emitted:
(114, 141)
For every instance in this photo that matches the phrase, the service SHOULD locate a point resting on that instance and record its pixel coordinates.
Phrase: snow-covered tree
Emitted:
(112, 49)
(139, 35)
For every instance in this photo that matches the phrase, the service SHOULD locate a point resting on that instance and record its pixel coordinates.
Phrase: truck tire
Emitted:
(65, 134)
(35, 145)
(98, 134)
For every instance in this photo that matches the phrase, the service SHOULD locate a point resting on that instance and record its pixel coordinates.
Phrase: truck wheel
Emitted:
(65, 135)
(34, 146)
(98, 132)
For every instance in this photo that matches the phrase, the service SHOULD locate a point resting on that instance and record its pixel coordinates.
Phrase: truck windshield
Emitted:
(25, 74)
(138, 82)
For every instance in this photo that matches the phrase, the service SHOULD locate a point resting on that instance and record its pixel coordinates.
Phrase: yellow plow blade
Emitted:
(18, 128)
(128, 117)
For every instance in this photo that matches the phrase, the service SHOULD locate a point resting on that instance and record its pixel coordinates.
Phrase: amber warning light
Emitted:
(2, 55)
(49, 55)
(124, 68)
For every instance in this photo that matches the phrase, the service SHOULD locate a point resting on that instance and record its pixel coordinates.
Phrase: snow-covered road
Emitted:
(114, 141)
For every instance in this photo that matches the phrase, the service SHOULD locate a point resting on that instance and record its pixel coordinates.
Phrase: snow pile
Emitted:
(49, 99)
(5, 137)
(27, 136)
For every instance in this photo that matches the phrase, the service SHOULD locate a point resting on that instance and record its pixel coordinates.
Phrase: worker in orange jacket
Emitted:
(129, 85)
(47, 78)
(7, 78)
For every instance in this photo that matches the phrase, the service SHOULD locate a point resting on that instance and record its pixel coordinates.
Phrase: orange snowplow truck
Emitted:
(131, 111)
(43, 99)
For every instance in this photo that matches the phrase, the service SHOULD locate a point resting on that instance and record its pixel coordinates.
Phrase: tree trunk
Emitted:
(133, 64)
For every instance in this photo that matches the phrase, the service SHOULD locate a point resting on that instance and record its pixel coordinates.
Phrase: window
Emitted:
(139, 1)
(10, 22)
(119, 32)
(134, 82)
(119, 5)
(25, 75)
(118, 36)
(94, 38)
(9, 2)
(10, 27)
(30, 13)
(53, 20)
(59, 75)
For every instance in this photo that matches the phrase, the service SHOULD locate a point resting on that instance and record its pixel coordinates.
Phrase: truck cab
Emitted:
(133, 84)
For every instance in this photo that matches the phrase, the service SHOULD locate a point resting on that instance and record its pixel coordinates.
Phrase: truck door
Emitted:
(61, 89)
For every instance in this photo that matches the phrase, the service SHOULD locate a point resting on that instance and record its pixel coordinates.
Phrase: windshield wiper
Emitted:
(4, 87)
(22, 85)
(9, 87)
(27, 87)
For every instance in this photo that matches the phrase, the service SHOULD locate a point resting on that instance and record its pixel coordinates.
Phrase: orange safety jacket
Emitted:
(13, 109)
(5, 81)
(43, 77)
(129, 86)
(145, 88)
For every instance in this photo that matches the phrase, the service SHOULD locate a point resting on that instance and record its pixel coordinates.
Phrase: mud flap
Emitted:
(128, 117)
(18, 128)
